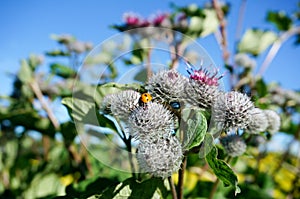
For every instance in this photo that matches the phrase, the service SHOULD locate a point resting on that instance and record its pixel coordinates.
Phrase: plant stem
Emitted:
(127, 142)
(148, 64)
(130, 157)
(214, 189)
(275, 48)
(173, 189)
(181, 173)
(221, 18)
(38, 93)
(239, 24)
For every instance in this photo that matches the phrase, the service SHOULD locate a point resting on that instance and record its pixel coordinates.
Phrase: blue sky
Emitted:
(27, 25)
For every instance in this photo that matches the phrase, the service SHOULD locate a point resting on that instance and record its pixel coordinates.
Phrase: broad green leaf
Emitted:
(194, 125)
(196, 24)
(261, 88)
(153, 188)
(25, 72)
(78, 108)
(207, 145)
(68, 131)
(62, 70)
(90, 187)
(256, 41)
(141, 76)
(85, 112)
(210, 23)
(222, 170)
(44, 185)
(280, 19)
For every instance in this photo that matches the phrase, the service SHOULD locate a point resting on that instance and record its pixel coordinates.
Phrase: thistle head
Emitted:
(234, 145)
(203, 76)
(153, 119)
(121, 104)
(160, 157)
(232, 110)
(273, 121)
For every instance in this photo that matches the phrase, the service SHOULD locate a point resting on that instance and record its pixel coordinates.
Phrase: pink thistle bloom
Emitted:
(159, 19)
(132, 19)
(204, 76)
(144, 23)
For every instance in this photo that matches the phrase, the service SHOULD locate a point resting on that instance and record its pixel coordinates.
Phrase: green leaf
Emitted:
(130, 188)
(56, 53)
(222, 170)
(196, 24)
(261, 88)
(78, 108)
(122, 86)
(25, 72)
(35, 60)
(194, 125)
(62, 70)
(85, 112)
(90, 187)
(10, 153)
(43, 185)
(68, 131)
(141, 76)
(256, 41)
(210, 23)
(280, 19)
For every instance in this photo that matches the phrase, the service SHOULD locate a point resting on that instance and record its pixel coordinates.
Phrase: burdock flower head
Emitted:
(160, 157)
(202, 89)
(273, 121)
(153, 119)
(234, 145)
(133, 19)
(121, 104)
(258, 122)
(232, 110)
(167, 85)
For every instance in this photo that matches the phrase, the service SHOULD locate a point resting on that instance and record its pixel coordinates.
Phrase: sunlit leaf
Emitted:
(130, 188)
(196, 24)
(25, 72)
(256, 41)
(194, 125)
(90, 187)
(210, 23)
(44, 185)
(85, 112)
(62, 70)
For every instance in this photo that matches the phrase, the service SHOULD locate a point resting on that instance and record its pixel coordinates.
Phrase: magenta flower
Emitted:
(157, 21)
(203, 75)
(132, 19)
